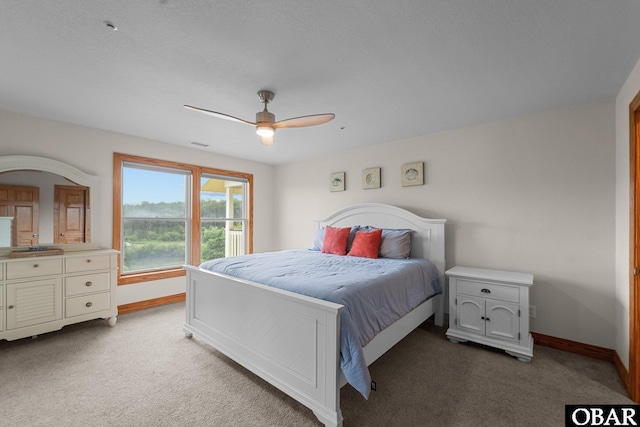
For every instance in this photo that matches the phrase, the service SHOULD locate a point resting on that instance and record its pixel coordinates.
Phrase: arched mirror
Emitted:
(44, 202)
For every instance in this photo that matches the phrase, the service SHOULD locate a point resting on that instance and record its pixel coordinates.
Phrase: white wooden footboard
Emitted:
(290, 340)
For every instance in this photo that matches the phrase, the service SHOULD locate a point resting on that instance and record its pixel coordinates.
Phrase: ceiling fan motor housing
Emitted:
(265, 117)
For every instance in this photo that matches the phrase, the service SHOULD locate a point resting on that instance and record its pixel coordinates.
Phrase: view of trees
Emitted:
(154, 233)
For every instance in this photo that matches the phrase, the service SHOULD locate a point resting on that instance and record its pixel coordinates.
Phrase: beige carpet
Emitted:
(144, 372)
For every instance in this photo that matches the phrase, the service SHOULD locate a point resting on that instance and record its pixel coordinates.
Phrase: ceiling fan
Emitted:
(266, 124)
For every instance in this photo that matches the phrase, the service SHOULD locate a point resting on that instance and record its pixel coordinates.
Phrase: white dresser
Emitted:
(491, 307)
(43, 294)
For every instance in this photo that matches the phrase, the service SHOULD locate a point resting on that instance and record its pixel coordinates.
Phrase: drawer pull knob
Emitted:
(88, 284)
(10, 307)
(89, 304)
(35, 265)
(89, 260)
(486, 291)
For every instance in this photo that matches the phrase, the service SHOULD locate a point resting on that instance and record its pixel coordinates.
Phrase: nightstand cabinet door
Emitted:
(471, 314)
(503, 321)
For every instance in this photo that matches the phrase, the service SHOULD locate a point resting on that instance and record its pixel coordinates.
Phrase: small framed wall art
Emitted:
(336, 181)
(370, 178)
(412, 174)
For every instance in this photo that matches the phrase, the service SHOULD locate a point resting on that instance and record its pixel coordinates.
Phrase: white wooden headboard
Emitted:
(427, 240)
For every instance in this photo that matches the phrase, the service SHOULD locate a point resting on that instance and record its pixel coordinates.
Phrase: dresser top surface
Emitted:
(525, 279)
(66, 254)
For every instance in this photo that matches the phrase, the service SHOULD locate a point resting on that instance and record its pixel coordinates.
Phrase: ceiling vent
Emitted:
(199, 144)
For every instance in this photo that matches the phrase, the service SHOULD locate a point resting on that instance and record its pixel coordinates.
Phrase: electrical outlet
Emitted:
(532, 311)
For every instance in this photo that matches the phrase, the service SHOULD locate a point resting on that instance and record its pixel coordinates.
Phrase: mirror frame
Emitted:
(43, 164)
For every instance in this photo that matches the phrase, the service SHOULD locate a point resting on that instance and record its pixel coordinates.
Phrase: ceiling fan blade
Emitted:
(219, 115)
(299, 122)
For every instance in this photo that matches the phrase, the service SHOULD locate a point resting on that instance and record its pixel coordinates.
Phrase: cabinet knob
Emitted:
(89, 304)
(88, 284)
(10, 307)
(486, 291)
(89, 260)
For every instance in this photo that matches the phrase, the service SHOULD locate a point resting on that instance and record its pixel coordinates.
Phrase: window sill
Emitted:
(149, 276)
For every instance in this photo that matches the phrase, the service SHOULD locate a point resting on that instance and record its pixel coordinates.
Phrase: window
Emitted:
(168, 214)
(222, 218)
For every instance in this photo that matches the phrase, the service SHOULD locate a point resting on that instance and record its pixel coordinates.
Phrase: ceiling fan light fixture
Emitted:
(266, 140)
(265, 131)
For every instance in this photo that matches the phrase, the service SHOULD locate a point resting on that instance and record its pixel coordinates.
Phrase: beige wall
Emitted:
(532, 194)
(91, 150)
(629, 90)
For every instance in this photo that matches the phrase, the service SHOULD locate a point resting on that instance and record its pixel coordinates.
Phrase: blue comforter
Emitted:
(374, 292)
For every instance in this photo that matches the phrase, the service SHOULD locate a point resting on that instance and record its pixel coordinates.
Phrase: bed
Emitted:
(292, 340)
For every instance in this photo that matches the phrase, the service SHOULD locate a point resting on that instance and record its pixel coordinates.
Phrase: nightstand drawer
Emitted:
(488, 290)
(97, 262)
(88, 283)
(33, 268)
(87, 304)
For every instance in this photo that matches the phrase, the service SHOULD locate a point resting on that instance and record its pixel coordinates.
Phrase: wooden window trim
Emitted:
(196, 173)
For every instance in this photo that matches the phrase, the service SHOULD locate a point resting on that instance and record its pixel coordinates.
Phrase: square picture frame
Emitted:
(336, 181)
(371, 178)
(412, 174)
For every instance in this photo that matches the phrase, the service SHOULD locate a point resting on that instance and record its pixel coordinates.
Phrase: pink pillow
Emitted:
(366, 244)
(335, 240)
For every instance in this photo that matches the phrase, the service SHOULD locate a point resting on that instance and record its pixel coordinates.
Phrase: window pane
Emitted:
(221, 198)
(153, 193)
(213, 240)
(222, 239)
(151, 244)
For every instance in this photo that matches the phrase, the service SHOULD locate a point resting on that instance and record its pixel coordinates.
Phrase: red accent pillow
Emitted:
(366, 244)
(335, 240)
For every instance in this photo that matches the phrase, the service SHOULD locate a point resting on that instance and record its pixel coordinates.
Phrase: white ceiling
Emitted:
(389, 70)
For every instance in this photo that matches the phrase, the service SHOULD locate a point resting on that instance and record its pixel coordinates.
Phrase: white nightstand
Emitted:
(490, 307)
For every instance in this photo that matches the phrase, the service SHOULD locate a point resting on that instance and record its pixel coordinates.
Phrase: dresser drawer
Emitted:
(87, 263)
(488, 290)
(87, 283)
(33, 268)
(86, 304)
